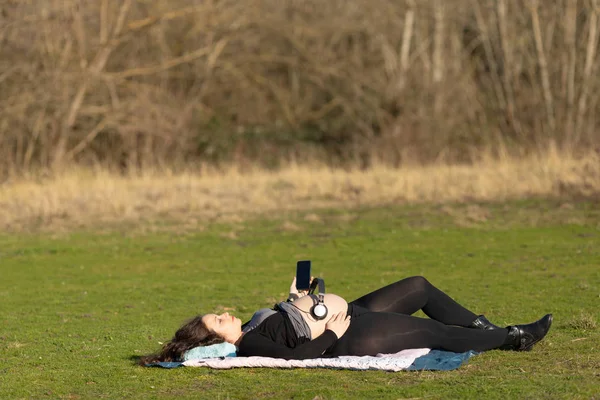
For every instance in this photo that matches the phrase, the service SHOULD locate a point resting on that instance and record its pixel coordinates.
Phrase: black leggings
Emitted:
(381, 322)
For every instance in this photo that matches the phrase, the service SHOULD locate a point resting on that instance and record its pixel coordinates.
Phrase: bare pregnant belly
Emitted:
(334, 303)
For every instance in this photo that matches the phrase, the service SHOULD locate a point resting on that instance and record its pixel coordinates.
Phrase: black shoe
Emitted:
(482, 323)
(523, 337)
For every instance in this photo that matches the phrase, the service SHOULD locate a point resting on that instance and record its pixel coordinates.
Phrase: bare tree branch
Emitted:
(409, 20)
(87, 139)
(590, 57)
(174, 62)
(543, 63)
(571, 61)
(97, 64)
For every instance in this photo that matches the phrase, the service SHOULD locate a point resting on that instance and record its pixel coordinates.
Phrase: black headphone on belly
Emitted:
(319, 309)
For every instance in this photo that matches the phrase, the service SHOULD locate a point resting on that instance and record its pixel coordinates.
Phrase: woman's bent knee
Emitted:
(418, 280)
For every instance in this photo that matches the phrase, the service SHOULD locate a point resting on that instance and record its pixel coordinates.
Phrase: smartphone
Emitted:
(303, 275)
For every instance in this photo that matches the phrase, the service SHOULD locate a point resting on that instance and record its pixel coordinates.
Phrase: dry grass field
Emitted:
(83, 198)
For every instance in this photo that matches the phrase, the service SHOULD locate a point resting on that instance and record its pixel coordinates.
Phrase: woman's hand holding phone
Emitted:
(295, 293)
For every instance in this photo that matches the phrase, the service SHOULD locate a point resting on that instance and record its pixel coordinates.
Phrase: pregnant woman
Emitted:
(378, 322)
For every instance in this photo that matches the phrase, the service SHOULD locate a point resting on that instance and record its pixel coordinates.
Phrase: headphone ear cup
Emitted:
(319, 311)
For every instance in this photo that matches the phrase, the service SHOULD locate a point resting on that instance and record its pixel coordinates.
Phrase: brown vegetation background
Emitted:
(132, 84)
(141, 110)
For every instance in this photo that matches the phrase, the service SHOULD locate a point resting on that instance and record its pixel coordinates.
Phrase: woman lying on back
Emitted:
(378, 322)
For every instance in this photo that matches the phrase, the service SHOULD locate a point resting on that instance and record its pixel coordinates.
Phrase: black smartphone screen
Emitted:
(303, 275)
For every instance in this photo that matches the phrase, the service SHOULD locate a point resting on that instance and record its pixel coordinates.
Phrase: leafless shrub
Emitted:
(132, 84)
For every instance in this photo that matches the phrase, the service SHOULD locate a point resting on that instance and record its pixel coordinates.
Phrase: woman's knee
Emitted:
(419, 281)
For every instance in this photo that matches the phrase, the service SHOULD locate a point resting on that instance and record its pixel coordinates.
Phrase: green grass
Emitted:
(75, 308)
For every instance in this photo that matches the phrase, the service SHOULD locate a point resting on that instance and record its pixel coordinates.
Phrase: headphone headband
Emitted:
(319, 309)
(320, 283)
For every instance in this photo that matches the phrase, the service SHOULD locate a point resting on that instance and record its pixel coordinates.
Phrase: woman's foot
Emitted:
(523, 337)
(481, 322)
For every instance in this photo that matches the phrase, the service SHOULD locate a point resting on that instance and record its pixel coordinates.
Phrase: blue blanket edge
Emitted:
(440, 360)
(435, 360)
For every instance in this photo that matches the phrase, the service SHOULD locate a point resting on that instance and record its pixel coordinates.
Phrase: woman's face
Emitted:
(224, 325)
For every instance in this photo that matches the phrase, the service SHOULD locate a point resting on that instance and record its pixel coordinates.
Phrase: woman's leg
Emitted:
(382, 332)
(416, 293)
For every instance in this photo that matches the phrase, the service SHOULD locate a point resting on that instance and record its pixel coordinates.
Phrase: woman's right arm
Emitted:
(260, 345)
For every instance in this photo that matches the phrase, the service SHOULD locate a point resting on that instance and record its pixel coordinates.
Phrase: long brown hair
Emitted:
(192, 334)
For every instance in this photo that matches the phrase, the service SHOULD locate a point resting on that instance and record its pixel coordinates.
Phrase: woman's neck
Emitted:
(239, 339)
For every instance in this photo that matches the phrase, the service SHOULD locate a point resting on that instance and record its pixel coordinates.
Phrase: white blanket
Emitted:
(384, 362)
